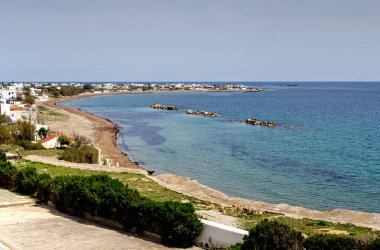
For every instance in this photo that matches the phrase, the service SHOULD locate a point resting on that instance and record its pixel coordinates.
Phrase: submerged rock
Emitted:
(203, 113)
(163, 107)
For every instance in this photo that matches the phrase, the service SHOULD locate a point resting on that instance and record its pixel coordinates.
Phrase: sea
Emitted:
(325, 153)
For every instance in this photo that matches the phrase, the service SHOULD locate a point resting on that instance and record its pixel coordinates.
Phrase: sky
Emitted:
(190, 40)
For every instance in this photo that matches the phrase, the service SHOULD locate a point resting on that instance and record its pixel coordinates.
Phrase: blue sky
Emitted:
(190, 40)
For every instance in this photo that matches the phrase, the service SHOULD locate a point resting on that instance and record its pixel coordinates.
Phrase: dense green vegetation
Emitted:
(80, 150)
(100, 195)
(272, 234)
(21, 133)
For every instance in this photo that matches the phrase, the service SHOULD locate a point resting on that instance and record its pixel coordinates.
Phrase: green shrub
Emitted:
(43, 187)
(26, 180)
(7, 174)
(103, 196)
(82, 154)
(375, 245)
(272, 235)
(178, 224)
(329, 242)
(100, 195)
(28, 145)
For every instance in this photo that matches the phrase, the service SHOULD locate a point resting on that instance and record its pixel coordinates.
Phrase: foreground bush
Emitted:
(329, 241)
(100, 195)
(7, 175)
(272, 234)
(103, 196)
(26, 180)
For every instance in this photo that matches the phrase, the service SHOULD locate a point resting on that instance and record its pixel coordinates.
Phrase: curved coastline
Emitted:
(108, 131)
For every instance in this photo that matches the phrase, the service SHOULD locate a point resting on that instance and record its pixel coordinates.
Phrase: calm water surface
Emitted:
(324, 155)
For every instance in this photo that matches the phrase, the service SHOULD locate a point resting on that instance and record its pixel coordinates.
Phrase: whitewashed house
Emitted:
(17, 113)
(50, 141)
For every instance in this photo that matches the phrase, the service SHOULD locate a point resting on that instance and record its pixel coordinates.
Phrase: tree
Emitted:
(28, 99)
(42, 132)
(5, 136)
(23, 131)
(5, 119)
(64, 140)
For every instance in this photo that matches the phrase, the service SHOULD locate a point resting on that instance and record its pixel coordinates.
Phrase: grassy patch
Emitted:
(51, 115)
(44, 152)
(144, 185)
(306, 226)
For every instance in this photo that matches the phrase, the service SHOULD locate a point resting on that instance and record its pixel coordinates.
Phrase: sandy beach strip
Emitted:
(104, 135)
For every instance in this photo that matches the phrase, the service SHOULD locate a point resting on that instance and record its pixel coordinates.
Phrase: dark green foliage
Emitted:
(3, 156)
(66, 91)
(26, 180)
(23, 131)
(28, 145)
(272, 235)
(7, 175)
(5, 136)
(103, 196)
(42, 132)
(64, 141)
(82, 154)
(375, 245)
(5, 119)
(329, 242)
(43, 187)
(178, 225)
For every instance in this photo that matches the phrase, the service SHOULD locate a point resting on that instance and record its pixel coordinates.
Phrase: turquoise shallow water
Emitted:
(324, 155)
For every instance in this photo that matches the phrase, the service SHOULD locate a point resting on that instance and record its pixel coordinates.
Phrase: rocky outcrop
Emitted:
(204, 113)
(253, 121)
(163, 107)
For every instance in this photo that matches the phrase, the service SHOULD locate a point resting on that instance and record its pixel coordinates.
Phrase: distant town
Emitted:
(18, 99)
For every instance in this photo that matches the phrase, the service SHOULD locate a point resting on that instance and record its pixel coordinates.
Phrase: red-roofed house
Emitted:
(50, 141)
(16, 113)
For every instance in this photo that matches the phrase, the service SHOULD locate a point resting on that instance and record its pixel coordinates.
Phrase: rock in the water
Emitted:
(163, 107)
(204, 113)
(261, 123)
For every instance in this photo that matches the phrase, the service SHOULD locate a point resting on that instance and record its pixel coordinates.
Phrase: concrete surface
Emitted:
(13, 199)
(42, 227)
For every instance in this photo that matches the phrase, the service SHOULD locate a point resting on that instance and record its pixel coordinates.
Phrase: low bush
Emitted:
(103, 196)
(329, 242)
(100, 195)
(7, 175)
(272, 235)
(82, 154)
(43, 187)
(26, 180)
(28, 145)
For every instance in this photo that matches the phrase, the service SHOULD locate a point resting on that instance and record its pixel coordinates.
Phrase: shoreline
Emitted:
(106, 139)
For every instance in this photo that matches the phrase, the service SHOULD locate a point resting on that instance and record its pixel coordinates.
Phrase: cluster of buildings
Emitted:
(100, 87)
(13, 106)
(11, 101)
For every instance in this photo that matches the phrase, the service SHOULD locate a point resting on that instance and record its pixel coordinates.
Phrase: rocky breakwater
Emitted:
(203, 113)
(253, 121)
(163, 107)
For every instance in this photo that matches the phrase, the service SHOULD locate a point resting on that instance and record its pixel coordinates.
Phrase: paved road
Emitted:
(42, 227)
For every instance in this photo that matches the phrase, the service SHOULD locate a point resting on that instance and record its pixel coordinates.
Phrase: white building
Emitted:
(50, 141)
(5, 108)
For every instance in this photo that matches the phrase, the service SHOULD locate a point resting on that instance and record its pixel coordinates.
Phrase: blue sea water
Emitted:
(324, 155)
